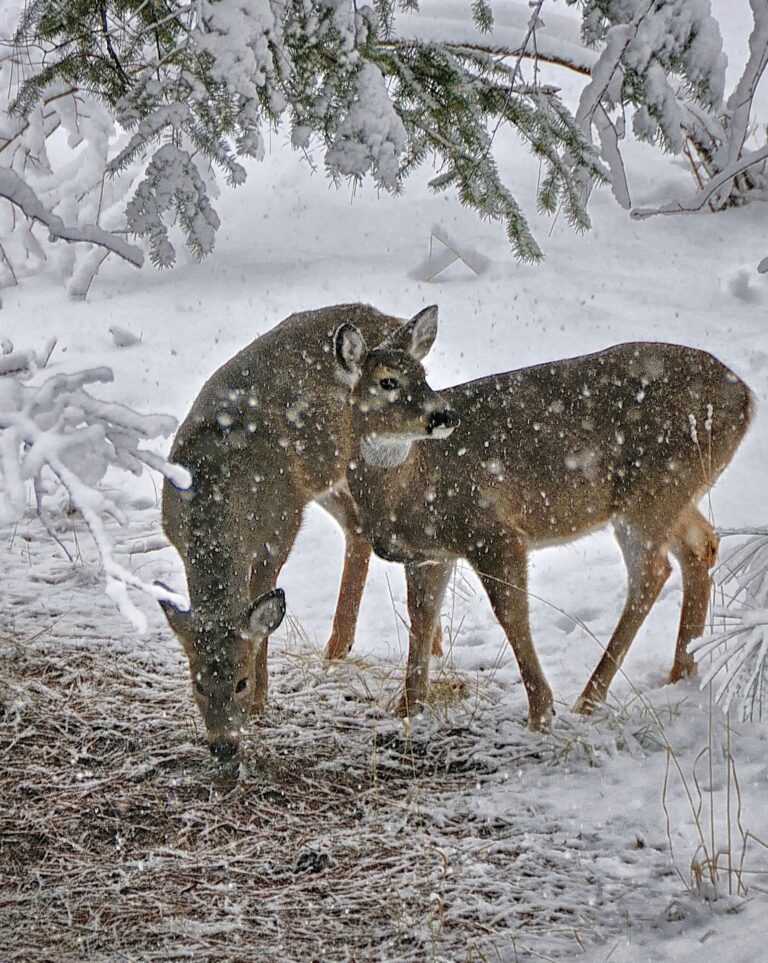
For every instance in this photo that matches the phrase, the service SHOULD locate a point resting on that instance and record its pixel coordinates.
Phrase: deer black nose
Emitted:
(223, 749)
(443, 418)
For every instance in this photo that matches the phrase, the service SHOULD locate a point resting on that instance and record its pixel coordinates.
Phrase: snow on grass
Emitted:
(346, 834)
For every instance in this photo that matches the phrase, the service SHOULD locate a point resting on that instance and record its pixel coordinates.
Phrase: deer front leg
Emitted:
(357, 555)
(272, 543)
(356, 560)
(502, 568)
(437, 640)
(426, 583)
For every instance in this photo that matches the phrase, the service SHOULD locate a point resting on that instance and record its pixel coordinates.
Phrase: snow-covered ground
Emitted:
(584, 844)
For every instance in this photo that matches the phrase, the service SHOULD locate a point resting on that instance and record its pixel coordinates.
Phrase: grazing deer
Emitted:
(632, 436)
(269, 432)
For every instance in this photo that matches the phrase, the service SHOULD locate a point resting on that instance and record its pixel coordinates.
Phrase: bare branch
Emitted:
(740, 101)
(698, 201)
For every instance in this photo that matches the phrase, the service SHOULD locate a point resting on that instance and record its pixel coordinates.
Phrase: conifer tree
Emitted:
(197, 83)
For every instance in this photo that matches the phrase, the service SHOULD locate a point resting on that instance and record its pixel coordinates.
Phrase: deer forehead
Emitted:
(222, 658)
(397, 364)
(221, 672)
(387, 369)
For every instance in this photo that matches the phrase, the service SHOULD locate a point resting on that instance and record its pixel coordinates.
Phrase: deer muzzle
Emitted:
(442, 422)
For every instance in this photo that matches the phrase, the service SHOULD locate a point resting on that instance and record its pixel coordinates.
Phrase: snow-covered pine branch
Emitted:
(736, 658)
(14, 189)
(380, 89)
(56, 435)
(441, 21)
(195, 85)
(654, 58)
(69, 182)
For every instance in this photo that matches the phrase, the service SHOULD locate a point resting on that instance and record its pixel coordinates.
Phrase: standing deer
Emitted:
(269, 432)
(632, 436)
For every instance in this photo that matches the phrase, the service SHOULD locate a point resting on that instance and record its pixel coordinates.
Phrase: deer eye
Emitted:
(389, 384)
(199, 688)
(241, 685)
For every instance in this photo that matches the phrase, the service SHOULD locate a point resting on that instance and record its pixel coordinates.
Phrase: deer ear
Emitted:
(416, 336)
(350, 349)
(179, 621)
(266, 614)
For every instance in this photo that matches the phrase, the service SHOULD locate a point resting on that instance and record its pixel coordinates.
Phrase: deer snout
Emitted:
(223, 749)
(442, 422)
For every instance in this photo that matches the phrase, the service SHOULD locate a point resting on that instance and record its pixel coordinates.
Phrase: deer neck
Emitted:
(384, 451)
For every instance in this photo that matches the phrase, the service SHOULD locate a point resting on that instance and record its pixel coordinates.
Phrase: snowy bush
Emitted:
(54, 157)
(655, 59)
(646, 48)
(736, 658)
(56, 437)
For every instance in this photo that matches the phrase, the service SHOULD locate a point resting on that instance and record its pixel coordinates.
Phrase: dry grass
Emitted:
(340, 838)
(119, 841)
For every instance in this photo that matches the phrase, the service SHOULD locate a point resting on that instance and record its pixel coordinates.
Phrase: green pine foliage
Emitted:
(197, 83)
(671, 52)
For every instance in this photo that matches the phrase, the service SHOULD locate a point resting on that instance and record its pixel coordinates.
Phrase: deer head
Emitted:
(393, 404)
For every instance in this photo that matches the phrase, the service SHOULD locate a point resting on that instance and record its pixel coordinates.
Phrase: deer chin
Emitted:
(389, 451)
(442, 432)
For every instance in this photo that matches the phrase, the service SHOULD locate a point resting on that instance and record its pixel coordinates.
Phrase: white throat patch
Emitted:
(385, 451)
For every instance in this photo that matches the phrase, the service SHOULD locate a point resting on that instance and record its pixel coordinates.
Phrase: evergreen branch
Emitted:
(19, 193)
(110, 47)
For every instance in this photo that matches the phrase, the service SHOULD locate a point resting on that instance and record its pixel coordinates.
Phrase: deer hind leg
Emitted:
(503, 572)
(694, 544)
(648, 569)
(426, 582)
(357, 556)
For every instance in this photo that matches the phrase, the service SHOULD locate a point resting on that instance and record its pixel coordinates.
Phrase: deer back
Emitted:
(555, 450)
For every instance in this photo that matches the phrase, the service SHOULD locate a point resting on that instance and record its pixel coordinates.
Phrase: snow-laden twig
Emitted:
(736, 658)
(16, 190)
(58, 430)
(739, 105)
(699, 200)
(557, 39)
(610, 133)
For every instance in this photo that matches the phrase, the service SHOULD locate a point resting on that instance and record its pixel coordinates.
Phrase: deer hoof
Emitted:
(587, 703)
(541, 720)
(682, 670)
(409, 705)
(336, 649)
